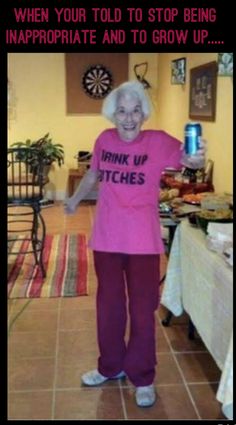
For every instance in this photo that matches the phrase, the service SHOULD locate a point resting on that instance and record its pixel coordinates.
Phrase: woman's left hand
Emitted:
(196, 160)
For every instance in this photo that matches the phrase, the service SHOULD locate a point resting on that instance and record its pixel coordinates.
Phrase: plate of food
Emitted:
(194, 198)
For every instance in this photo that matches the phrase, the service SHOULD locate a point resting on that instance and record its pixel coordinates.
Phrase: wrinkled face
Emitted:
(128, 117)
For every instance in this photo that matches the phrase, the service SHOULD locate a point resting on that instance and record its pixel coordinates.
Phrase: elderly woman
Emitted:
(126, 237)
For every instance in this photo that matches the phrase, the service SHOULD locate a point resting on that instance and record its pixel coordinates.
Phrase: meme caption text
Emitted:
(105, 26)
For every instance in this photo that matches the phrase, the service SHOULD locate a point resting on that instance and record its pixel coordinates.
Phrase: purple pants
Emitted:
(127, 282)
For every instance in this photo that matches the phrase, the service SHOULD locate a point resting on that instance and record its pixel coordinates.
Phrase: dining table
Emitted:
(200, 282)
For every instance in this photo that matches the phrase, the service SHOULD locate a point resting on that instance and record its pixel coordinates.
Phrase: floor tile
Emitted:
(43, 303)
(75, 319)
(179, 341)
(78, 303)
(167, 371)
(35, 320)
(32, 344)
(162, 345)
(198, 367)
(95, 404)
(33, 405)
(30, 374)
(204, 396)
(73, 345)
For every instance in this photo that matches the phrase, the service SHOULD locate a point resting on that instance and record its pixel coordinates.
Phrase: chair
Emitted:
(208, 171)
(26, 179)
(171, 223)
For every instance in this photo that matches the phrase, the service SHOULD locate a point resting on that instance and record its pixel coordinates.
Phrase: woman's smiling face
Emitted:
(128, 116)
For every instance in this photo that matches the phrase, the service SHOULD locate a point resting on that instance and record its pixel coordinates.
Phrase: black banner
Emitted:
(152, 26)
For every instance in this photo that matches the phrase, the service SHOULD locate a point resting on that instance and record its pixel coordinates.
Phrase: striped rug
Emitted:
(66, 265)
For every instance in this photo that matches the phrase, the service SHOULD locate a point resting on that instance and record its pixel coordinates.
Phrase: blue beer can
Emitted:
(192, 133)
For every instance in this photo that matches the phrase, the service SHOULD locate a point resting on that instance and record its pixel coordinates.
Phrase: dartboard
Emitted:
(97, 81)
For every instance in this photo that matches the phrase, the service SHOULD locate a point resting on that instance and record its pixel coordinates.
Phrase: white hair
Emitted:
(133, 87)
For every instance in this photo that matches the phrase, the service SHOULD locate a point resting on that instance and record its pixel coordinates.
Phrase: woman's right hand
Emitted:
(70, 206)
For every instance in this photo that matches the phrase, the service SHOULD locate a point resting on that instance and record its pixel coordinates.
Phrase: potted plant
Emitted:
(51, 152)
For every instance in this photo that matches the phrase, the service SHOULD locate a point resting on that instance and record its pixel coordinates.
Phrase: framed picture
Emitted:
(178, 71)
(202, 96)
(225, 64)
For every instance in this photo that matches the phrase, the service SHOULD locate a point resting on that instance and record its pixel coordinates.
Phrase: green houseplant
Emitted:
(51, 152)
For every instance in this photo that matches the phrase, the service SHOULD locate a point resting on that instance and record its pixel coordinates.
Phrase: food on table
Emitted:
(168, 194)
(214, 202)
(220, 214)
(194, 198)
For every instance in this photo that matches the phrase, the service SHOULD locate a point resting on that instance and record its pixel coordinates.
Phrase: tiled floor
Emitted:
(53, 341)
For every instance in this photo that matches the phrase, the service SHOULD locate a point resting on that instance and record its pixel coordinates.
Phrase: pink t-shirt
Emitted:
(127, 219)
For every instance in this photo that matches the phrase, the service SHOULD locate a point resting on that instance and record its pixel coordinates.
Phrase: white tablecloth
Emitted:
(200, 282)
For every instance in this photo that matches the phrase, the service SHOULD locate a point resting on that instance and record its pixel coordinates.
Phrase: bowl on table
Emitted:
(204, 217)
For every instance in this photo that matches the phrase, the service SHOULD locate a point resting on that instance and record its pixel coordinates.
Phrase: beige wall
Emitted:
(38, 87)
(172, 114)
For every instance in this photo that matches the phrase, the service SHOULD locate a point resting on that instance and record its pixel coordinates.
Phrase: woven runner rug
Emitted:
(66, 264)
